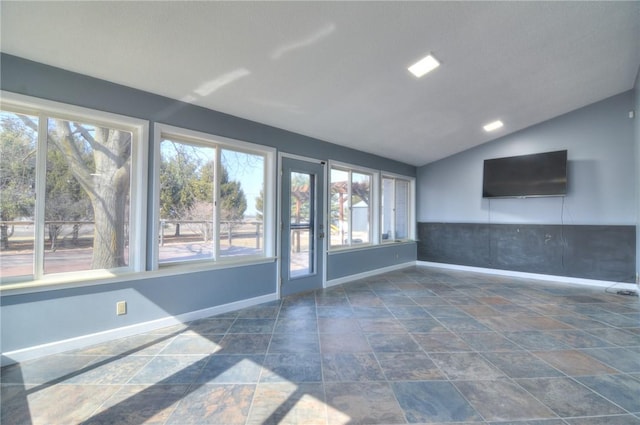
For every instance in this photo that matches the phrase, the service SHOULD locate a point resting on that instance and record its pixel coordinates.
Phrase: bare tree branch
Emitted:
(65, 142)
(85, 134)
(28, 122)
(98, 143)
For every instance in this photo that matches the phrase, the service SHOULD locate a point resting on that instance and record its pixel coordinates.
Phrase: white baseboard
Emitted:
(57, 347)
(536, 276)
(100, 337)
(352, 277)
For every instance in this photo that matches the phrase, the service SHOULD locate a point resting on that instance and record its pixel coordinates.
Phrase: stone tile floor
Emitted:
(419, 345)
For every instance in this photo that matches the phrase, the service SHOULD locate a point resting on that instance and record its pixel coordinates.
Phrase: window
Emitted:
(396, 209)
(351, 207)
(212, 203)
(69, 179)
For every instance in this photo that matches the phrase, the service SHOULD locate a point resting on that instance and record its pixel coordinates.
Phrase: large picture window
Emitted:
(67, 181)
(211, 202)
(351, 207)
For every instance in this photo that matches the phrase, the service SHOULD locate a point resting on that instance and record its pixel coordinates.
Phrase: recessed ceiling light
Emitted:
(423, 66)
(493, 125)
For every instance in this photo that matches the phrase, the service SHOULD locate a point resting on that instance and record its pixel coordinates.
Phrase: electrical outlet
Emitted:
(121, 308)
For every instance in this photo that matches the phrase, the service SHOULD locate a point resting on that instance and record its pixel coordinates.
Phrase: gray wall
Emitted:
(43, 81)
(602, 184)
(343, 264)
(44, 317)
(53, 315)
(636, 128)
(600, 144)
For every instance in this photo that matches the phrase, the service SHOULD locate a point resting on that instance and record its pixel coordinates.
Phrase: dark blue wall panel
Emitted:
(585, 251)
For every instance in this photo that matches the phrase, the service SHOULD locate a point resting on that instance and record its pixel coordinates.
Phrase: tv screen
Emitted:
(541, 174)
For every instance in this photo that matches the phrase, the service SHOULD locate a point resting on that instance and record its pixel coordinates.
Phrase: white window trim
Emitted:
(411, 226)
(162, 131)
(137, 229)
(374, 216)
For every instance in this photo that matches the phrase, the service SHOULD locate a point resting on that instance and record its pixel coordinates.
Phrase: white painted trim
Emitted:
(352, 277)
(57, 347)
(345, 166)
(325, 222)
(374, 211)
(363, 247)
(139, 128)
(536, 276)
(79, 279)
(34, 106)
(278, 233)
(411, 206)
(162, 131)
(209, 139)
(301, 158)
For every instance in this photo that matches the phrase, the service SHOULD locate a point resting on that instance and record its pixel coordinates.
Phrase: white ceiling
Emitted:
(337, 70)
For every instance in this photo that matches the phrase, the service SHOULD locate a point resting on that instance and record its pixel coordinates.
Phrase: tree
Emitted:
(187, 186)
(17, 173)
(260, 206)
(105, 180)
(233, 202)
(65, 198)
(177, 171)
(203, 186)
(202, 208)
(99, 159)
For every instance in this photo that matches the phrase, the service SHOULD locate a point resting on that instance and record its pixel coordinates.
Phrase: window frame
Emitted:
(45, 110)
(162, 132)
(373, 207)
(411, 205)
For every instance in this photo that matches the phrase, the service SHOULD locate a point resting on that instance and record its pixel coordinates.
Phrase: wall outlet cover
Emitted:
(121, 308)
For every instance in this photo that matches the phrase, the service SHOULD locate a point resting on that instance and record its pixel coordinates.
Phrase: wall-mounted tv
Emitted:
(540, 174)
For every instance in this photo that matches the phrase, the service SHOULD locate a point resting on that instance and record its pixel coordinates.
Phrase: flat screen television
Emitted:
(540, 174)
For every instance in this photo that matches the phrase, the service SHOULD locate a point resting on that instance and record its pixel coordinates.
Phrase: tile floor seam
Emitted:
(571, 378)
(188, 390)
(601, 395)
(518, 386)
(514, 381)
(317, 333)
(144, 366)
(397, 311)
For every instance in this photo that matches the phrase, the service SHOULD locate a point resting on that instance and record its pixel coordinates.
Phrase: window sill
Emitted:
(191, 267)
(396, 241)
(95, 278)
(386, 244)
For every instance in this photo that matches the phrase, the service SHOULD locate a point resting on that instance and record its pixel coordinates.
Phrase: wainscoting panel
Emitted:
(587, 251)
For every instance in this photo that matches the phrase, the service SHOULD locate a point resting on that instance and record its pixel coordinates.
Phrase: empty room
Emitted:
(319, 212)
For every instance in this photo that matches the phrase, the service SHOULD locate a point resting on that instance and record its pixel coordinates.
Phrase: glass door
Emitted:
(302, 216)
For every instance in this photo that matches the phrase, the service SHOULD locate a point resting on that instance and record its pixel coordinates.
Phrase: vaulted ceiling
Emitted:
(337, 71)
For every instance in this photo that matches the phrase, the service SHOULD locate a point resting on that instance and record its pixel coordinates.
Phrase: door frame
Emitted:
(279, 225)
